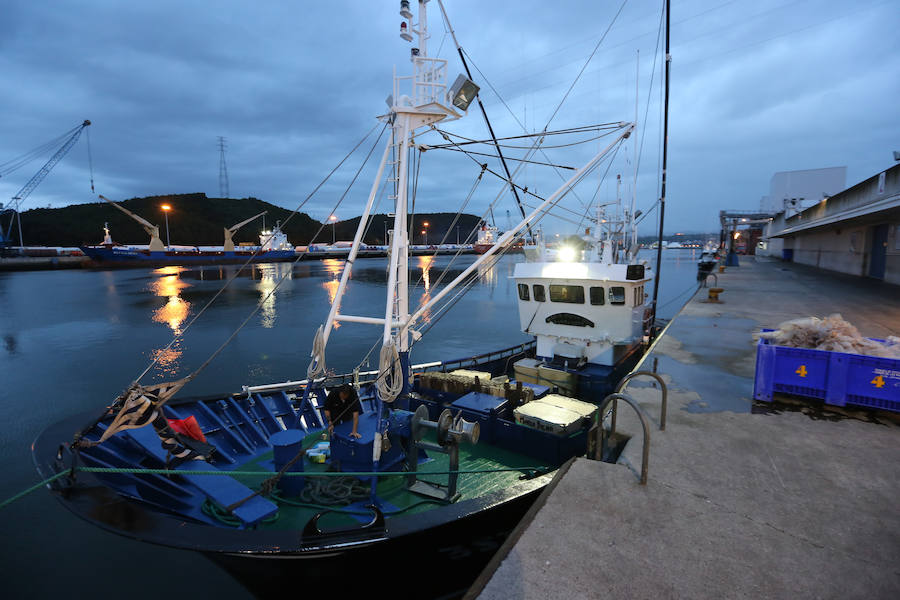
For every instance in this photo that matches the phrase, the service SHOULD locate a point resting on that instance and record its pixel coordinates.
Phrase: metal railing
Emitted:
(599, 448)
(620, 389)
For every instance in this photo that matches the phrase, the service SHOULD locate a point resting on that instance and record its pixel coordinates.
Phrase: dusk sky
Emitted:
(756, 87)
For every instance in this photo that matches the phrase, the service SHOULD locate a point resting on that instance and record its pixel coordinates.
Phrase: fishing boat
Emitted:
(587, 307)
(442, 459)
(273, 247)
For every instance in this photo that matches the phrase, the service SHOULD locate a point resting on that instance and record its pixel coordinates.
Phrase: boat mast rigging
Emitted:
(487, 121)
(662, 197)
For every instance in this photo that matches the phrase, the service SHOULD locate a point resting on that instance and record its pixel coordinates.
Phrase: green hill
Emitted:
(198, 220)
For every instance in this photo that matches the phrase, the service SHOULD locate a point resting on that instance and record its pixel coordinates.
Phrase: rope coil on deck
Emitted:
(390, 376)
(317, 355)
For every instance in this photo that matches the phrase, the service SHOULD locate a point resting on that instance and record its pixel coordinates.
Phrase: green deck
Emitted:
(392, 490)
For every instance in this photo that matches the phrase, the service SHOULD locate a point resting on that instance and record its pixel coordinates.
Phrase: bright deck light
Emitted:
(566, 254)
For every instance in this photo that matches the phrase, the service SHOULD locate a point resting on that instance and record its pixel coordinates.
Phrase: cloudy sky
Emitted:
(757, 87)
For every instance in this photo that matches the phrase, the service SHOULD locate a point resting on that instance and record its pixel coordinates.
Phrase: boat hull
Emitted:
(440, 561)
(444, 549)
(122, 256)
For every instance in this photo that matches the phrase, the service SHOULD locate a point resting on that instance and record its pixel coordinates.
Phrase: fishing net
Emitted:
(832, 333)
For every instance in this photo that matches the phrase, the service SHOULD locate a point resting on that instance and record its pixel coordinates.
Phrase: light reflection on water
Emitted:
(333, 268)
(172, 313)
(425, 263)
(270, 277)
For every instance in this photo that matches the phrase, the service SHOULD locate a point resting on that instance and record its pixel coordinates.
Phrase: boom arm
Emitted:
(13, 206)
(151, 229)
(48, 166)
(229, 231)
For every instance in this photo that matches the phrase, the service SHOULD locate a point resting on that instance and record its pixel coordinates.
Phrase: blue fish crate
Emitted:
(837, 378)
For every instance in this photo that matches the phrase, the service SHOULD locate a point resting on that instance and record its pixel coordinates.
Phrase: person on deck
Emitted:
(342, 405)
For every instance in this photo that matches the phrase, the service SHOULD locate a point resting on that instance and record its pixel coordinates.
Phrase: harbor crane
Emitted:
(11, 210)
(229, 231)
(152, 230)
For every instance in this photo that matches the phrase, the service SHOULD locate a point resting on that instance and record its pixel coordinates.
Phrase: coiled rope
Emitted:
(390, 374)
(338, 491)
(317, 363)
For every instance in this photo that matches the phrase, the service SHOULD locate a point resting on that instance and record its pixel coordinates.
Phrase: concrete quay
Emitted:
(38, 263)
(785, 500)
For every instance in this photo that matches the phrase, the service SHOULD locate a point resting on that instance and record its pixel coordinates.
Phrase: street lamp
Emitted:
(333, 220)
(425, 231)
(166, 208)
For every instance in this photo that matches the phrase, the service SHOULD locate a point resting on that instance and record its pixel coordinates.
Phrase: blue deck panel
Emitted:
(539, 390)
(222, 489)
(481, 403)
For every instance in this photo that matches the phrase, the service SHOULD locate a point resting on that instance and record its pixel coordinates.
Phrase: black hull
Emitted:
(439, 562)
(443, 550)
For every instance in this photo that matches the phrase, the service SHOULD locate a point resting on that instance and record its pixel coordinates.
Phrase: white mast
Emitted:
(417, 101)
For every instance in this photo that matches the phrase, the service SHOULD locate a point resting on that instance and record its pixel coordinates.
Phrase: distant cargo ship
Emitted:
(274, 246)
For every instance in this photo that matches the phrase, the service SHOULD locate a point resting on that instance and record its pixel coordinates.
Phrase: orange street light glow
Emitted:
(166, 207)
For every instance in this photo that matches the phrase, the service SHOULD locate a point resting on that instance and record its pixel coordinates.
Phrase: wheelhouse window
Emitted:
(570, 294)
(523, 292)
(539, 294)
(617, 294)
(597, 297)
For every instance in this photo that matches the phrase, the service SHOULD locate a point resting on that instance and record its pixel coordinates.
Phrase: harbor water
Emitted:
(71, 341)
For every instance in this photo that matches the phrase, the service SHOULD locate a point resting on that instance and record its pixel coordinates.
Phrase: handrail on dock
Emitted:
(599, 448)
(620, 389)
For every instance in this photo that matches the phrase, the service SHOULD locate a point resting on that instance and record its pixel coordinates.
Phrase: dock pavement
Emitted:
(744, 500)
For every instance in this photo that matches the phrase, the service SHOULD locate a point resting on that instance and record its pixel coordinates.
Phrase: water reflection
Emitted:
(333, 268)
(487, 274)
(269, 276)
(425, 263)
(172, 313)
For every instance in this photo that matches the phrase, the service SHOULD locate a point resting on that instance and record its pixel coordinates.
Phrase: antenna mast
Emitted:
(223, 170)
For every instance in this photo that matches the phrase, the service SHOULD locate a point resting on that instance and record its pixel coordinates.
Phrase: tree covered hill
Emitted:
(198, 220)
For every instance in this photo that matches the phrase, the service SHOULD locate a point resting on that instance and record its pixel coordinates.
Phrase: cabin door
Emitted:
(879, 251)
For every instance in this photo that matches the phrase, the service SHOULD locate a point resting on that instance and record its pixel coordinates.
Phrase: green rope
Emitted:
(121, 470)
(24, 493)
(530, 471)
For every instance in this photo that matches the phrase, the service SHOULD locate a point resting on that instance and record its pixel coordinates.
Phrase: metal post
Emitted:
(19, 221)
(168, 245)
